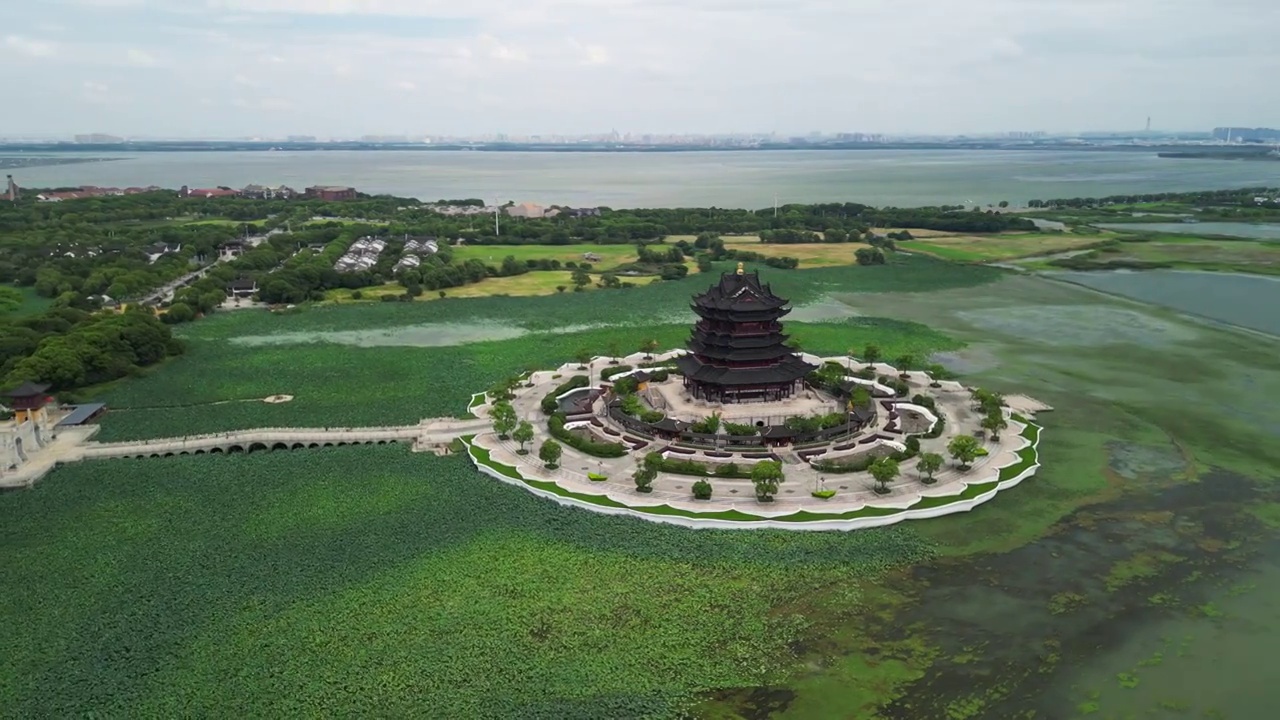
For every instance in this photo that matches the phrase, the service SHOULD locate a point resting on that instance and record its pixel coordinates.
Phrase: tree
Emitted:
(884, 470)
(927, 465)
(905, 361)
(178, 313)
(523, 435)
(550, 453)
(963, 448)
(504, 419)
(10, 299)
(583, 356)
(644, 477)
(647, 347)
(853, 357)
(1004, 203)
(560, 288)
(613, 352)
(869, 256)
(580, 278)
(861, 397)
(871, 354)
(766, 476)
(994, 422)
(702, 490)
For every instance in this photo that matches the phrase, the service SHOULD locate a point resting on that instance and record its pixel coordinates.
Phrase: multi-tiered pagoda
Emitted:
(737, 351)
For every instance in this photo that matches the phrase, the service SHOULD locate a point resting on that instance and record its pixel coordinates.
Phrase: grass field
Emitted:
(1002, 246)
(611, 256)
(538, 282)
(1187, 252)
(31, 302)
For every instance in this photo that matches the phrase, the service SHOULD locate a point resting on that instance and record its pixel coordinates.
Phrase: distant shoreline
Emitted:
(16, 163)
(232, 146)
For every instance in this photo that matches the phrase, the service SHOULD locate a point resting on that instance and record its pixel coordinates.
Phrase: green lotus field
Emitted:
(376, 582)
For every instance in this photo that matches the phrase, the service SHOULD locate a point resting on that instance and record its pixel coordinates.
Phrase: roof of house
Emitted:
(242, 284)
(81, 414)
(26, 390)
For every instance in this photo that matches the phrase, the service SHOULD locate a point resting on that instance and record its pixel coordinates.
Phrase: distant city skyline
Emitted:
(348, 68)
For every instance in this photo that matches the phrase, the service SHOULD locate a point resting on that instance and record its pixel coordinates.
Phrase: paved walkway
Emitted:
(854, 490)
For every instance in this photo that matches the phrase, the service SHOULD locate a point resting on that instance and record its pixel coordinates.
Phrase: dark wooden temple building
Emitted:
(737, 352)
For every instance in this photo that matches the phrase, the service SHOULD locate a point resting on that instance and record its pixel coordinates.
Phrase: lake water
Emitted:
(903, 178)
(1242, 230)
(1249, 301)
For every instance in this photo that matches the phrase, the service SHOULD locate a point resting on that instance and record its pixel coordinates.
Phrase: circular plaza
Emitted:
(741, 431)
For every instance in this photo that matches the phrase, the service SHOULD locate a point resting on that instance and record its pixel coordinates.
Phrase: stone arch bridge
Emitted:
(429, 436)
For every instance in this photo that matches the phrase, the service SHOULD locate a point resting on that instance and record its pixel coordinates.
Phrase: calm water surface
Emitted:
(1249, 301)
(1242, 230)
(902, 178)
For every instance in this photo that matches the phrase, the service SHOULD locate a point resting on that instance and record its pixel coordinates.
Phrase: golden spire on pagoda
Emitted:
(740, 271)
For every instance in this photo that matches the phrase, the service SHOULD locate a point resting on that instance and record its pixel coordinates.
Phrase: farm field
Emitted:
(1001, 246)
(811, 255)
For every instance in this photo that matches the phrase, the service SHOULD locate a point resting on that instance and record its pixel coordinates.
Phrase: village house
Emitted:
(525, 210)
(266, 192)
(242, 288)
(218, 192)
(330, 193)
(158, 250)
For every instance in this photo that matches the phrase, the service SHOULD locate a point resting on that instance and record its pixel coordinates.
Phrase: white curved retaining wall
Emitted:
(845, 525)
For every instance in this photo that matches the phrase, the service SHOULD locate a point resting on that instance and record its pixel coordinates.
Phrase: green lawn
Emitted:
(611, 256)
(1001, 246)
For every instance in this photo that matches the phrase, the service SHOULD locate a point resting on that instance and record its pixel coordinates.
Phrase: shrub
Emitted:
(357, 295)
(702, 490)
(596, 477)
(609, 372)
(727, 470)
(549, 404)
(651, 416)
(596, 449)
(823, 494)
(739, 430)
(706, 426)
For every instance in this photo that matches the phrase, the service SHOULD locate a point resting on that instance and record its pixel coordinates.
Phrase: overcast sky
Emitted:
(349, 67)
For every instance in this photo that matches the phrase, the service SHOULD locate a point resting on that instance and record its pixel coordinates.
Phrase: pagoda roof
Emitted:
(790, 369)
(26, 390)
(732, 354)
(738, 342)
(739, 291)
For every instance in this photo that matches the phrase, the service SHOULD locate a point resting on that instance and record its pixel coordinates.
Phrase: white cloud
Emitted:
(139, 58)
(30, 47)
(95, 92)
(655, 65)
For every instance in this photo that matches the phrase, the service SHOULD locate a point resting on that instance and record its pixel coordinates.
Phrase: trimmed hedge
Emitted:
(609, 372)
(597, 449)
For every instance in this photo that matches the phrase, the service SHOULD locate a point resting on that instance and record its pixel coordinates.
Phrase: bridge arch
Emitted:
(280, 446)
(254, 447)
(215, 450)
(235, 449)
